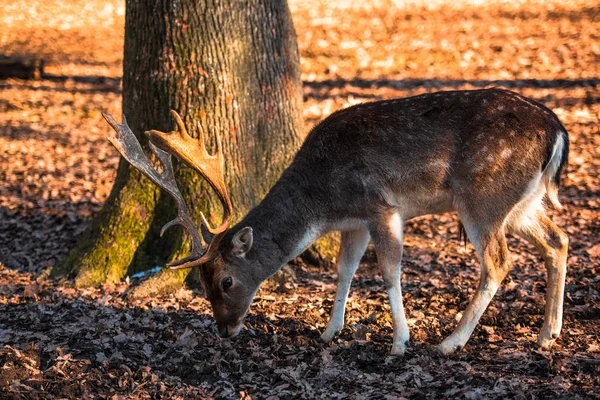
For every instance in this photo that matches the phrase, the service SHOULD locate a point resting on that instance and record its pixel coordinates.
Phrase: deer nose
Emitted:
(224, 331)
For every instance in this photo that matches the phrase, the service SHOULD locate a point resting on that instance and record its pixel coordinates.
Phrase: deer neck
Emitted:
(282, 228)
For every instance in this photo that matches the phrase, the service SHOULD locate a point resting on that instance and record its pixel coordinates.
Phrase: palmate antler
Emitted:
(192, 152)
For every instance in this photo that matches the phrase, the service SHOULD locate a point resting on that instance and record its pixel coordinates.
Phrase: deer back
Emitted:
(485, 144)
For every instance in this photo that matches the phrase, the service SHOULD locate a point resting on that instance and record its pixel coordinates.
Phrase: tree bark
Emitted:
(225, 65)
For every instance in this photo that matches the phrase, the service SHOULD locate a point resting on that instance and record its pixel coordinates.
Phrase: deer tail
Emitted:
(556, 161)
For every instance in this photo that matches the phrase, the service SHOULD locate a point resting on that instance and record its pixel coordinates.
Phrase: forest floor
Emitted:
(56, 169)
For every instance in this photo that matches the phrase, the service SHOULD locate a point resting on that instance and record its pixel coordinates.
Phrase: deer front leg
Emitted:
(352, 246)
(495, 263)
(387, 238)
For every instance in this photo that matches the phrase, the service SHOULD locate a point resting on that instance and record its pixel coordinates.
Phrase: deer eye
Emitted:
(227, 282)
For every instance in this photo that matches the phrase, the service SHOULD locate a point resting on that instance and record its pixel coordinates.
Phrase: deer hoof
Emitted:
(398, 349)
(327, 337)
(547, 338)
(545, 343)
(447, 348)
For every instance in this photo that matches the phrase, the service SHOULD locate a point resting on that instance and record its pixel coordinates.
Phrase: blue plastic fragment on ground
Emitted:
(146, 274)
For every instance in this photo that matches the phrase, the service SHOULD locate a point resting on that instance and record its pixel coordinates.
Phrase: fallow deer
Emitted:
(490, 155)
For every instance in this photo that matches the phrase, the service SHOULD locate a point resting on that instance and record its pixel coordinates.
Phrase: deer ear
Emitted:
(242, 241)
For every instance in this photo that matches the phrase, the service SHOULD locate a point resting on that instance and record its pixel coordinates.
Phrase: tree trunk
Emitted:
(229, 66)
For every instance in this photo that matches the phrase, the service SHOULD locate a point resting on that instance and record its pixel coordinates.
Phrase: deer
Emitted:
(490, 155)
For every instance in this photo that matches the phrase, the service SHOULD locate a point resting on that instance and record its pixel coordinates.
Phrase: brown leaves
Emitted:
(31, 291)
(594, 252)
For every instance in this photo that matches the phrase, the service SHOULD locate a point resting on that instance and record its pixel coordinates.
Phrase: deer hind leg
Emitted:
(495, 263)
(553, 245)
(352, 246)
(387, 238)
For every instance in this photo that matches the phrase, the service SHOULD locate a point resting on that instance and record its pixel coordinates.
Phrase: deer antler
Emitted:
(129, 147)
(211, 167)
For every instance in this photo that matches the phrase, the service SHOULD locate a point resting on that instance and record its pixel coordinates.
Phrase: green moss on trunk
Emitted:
(165, 281)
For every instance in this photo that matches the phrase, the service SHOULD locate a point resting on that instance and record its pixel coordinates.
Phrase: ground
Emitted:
(57, 169)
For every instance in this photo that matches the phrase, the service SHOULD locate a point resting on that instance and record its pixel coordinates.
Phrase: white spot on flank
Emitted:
(478, 168)
(506, 153)
(438, 164)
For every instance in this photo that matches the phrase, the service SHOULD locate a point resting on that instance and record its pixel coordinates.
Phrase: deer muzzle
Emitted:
(227, 331)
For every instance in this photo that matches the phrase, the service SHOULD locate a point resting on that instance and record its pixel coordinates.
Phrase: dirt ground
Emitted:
(56, 169)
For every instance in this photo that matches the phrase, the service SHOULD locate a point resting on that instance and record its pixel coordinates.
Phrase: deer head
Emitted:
(225, 267)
